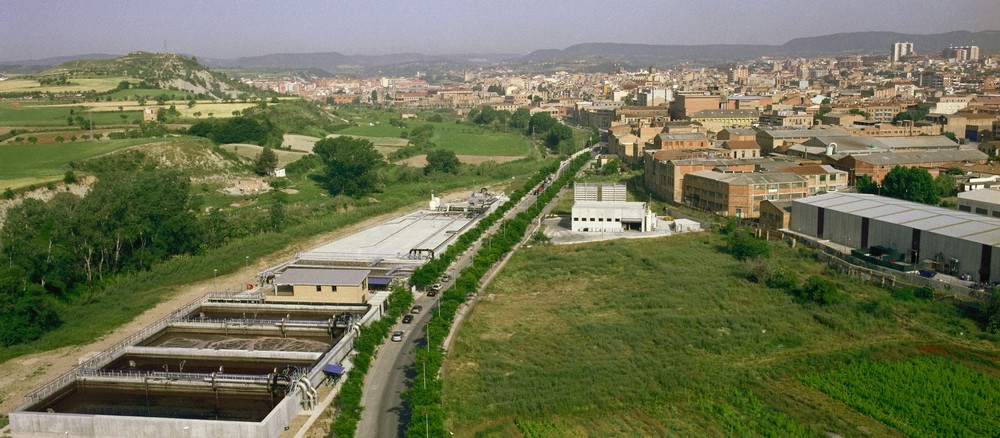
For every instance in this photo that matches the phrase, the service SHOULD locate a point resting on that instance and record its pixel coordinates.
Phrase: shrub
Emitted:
(784, 279)
(743, 245)
(819, 290)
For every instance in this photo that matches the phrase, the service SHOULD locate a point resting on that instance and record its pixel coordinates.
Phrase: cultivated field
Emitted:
(667, 337)
(421, 160)
(204, 108)
(99, 85)
(35, 115)
(26, 164)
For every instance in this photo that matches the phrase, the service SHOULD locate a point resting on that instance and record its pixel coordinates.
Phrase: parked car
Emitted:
(446, 278)
(397, 336)
(432, 293)
(416, 309)
(407, 319)
(437, 287)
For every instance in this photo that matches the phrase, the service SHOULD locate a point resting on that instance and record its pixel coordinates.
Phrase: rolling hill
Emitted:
(841, 43)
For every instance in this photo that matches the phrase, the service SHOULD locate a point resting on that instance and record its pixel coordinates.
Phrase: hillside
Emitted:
(157, 70)
(841, 43)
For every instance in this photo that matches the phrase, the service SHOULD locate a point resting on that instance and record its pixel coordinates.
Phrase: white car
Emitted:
(397, 336)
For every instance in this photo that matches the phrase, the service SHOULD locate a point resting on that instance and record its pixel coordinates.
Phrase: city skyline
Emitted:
(252, 28)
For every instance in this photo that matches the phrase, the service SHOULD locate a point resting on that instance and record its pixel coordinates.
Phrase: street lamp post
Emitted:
(424, 362)
(248, 261)
(427, 425)
(215, 273)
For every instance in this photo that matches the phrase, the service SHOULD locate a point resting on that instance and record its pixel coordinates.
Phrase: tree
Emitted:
(353, 165)
(69, 177)
(519, 120)
(540, 123)
(196, 114)
(944, 184)
(861, 113)
(819, 290)
(950, 135)
(60, 139)
(911, 184)
(266, 162)
(495, 89)
(443, 161)
(557, 134)
(743, 245)
(32, 139)
(612, 167)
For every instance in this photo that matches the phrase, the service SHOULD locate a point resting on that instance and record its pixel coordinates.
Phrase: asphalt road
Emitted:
(385, 415)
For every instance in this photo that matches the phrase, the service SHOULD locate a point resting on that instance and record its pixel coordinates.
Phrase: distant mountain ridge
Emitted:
(635, 54)
(339, 62)
(841, 43)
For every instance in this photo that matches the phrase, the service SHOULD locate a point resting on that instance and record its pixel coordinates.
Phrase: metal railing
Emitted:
(114, 351)
(142, 376)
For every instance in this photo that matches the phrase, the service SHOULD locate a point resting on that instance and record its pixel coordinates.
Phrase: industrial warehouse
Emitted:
(602, 208)
(904, 235)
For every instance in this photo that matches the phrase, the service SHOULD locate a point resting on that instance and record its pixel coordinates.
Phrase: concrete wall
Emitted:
(38, 424)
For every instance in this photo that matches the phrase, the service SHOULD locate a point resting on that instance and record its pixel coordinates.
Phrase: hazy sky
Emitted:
(33, 29)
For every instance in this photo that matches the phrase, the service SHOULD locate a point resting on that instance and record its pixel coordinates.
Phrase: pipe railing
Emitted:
(107, 355)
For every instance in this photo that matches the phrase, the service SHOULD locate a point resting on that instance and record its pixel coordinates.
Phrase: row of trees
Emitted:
(241, 129)
(426, 399)
(911, 184)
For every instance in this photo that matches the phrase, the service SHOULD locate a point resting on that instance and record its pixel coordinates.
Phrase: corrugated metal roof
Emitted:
(931, 156)
(946, 222)
(334, 277)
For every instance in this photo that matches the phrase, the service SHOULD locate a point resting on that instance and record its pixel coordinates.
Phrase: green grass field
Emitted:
(462, 139)
(954, 400)
(666, 337)
(100, 84)
(26, 164)
(41, 115)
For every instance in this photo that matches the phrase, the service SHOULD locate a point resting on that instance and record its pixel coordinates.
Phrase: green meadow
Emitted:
(667, 337)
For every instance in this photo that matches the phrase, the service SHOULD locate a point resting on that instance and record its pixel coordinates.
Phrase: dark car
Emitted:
(407, 319)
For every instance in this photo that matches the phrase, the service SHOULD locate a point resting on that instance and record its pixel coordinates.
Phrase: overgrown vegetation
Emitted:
(688, 346)
(924, 396)
(428, 399)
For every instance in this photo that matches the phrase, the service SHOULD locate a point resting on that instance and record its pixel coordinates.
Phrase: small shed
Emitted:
(343, 286)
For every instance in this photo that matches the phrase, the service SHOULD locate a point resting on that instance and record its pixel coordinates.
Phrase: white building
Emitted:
(602, 208)
(901, 50)
(982, 201)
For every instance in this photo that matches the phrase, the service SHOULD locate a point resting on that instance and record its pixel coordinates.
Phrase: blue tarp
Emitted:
(333, 369)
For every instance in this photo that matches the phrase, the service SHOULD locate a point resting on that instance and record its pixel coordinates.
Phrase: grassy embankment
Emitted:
(667, 337)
